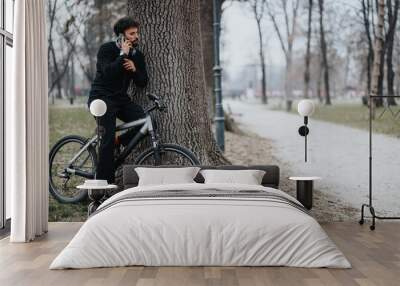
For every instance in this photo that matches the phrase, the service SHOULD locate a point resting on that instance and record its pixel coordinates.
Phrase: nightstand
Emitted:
(304, 190)
(96, 194)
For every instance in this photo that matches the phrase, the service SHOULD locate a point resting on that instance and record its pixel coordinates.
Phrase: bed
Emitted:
(198, 224)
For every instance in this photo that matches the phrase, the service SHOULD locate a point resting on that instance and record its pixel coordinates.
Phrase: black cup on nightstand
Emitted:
(304, 190)
(304, 193)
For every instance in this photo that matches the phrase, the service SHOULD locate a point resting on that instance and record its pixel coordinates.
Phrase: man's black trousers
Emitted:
(123, 108)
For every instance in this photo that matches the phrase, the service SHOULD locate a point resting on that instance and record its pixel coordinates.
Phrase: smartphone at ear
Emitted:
(120, 39)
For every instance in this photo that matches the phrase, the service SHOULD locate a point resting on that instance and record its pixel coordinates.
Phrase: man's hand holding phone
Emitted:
(125, 46)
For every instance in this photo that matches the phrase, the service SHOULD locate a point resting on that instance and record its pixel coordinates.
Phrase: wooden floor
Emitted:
(375, 257)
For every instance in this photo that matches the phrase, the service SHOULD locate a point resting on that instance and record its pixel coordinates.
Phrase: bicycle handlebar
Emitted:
(158, 103)
(152, 96)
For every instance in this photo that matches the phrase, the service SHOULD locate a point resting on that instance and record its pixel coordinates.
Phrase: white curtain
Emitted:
(27, 124)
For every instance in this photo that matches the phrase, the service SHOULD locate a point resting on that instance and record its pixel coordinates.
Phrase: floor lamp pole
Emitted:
(369, 205)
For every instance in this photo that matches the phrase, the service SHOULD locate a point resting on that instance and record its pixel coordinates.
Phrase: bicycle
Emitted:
(74, 158)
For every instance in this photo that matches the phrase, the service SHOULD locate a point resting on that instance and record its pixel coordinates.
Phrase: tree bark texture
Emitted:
(206, 26)
(170, 34)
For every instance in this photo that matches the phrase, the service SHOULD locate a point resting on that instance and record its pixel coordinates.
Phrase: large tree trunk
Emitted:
(308, 54)
(171, 42)
(378, 52)
(324, 52)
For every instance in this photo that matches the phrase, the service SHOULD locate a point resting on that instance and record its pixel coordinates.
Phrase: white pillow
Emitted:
(248, 177)
(162, 176)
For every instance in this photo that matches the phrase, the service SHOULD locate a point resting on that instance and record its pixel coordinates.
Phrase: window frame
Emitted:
(6, 39)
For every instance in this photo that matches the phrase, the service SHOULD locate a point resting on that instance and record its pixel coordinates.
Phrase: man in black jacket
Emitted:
(118, 64)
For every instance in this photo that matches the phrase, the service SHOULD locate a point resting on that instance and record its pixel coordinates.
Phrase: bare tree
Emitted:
(392, 12)
(366, 12)
(89, 22)
(324, 52)
(387, 47)
(286, 37)
(308, 52)
(258, 8)
(379, 38)
(76, 30)
(57, 66)
(59, 54)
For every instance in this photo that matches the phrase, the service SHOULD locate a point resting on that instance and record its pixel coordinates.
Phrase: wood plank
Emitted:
(375, 257)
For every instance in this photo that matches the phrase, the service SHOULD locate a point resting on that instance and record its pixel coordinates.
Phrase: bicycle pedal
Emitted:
(63, 175)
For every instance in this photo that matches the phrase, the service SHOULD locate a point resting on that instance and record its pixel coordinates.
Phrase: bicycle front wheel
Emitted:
(65, 174)
(168, 154)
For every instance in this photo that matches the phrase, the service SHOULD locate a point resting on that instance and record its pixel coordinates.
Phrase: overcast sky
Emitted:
(239, 40)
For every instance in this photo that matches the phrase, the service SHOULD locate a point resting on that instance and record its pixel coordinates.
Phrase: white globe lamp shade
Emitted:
(98, 107)
(305, 107)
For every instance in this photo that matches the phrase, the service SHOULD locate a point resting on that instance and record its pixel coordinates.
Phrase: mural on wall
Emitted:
(272, 57)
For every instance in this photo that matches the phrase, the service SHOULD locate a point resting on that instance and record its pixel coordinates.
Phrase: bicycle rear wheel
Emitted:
(169, 154)
(62, 181)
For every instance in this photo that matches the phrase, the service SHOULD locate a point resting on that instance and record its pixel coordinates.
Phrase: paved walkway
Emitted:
(337, 153)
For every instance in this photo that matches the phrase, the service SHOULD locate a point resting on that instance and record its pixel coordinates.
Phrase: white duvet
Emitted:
(200, 231)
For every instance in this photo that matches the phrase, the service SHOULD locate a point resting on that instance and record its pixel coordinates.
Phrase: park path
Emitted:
(337, 153)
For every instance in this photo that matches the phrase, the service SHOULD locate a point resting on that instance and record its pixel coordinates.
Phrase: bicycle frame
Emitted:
(147, 127)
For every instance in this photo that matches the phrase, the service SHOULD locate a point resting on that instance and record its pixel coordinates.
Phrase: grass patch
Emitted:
(65, 120)
(67, 212)
(70, 121)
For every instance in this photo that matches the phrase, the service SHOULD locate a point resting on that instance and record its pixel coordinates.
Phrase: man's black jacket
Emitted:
(112, 79)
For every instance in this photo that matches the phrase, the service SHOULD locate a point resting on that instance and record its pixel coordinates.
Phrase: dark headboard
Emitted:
(270, 179)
